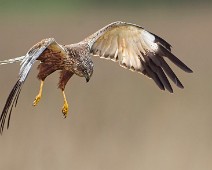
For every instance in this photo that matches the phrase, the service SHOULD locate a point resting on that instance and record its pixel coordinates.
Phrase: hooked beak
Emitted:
(87, 78)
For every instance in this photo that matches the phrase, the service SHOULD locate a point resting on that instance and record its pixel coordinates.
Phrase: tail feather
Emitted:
(12, 60)
(26, 64)
(11, 101)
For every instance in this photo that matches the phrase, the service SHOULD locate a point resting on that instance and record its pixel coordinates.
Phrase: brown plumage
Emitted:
(133, 47)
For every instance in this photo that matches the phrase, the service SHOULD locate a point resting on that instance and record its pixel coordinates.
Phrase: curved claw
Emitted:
(37, 99)
(65, 106)
(65, 109)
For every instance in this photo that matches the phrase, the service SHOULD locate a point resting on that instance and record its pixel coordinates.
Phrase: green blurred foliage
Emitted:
(41, 6)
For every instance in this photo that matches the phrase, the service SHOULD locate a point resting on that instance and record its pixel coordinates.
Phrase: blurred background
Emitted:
(120, 120)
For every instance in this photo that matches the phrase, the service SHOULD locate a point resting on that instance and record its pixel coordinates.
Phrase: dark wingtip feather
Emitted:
(168, 70)
(164, 52)
(151, 66)
(148, 72)
(189, 70)
(162, 42)
(11, 100)
(178, 83)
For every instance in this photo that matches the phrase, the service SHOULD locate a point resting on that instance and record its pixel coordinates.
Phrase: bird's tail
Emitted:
(12, 60)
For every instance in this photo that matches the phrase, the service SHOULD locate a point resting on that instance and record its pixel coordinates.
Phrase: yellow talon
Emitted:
(65, 106)
(65, 109)
(38, 97)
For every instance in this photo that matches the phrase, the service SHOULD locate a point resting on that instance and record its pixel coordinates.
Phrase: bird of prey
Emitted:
(130, 45)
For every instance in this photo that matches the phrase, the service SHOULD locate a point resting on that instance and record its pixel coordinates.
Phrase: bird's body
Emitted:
(70, 59)
(133, 47)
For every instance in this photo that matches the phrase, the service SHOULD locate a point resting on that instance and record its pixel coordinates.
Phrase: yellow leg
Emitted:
(65, 106)
(38, 97)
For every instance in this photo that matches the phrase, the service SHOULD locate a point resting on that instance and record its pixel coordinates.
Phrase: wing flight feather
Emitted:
(138, 50)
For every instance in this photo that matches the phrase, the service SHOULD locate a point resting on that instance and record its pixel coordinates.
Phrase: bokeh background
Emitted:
(120, 120)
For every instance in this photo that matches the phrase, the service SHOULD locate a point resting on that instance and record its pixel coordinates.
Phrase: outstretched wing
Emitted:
(26, 64)
(138, 50)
